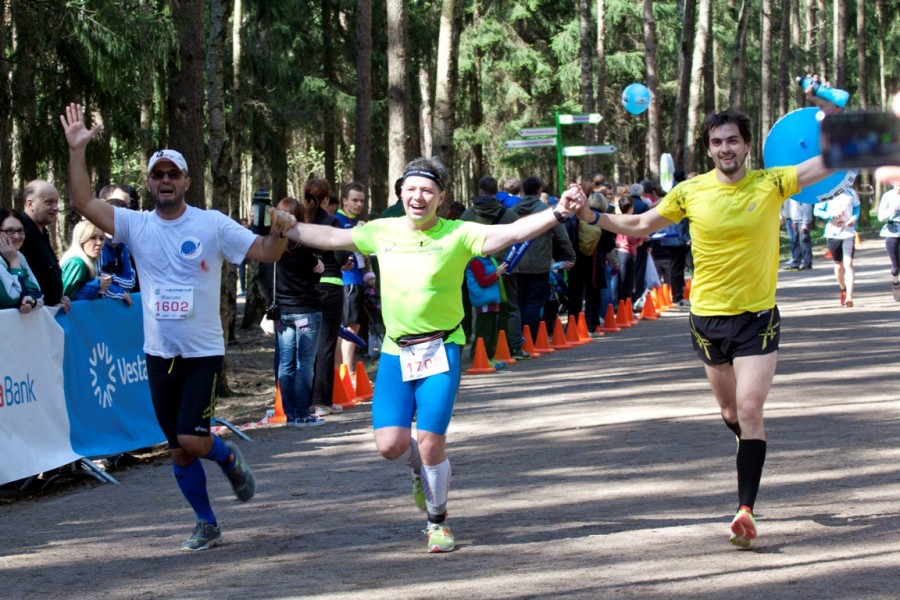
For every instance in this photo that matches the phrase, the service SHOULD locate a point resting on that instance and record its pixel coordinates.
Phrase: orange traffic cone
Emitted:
(669, 303)
(572, 338)
(649, 311)
(609, 323)
(481, 364)
(559, 337)
(687, 289)
(501, 353)
(279, 416)
(340, 396)
(347, 382)
(856, 241)
(656, 304)
(622, 316)
(629, 312)
(583, 334)
(528, 346)
(542, 344)
(364, 389)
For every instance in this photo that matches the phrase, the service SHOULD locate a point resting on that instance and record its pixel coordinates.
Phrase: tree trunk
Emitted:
(24, 96)
(237, 114)
(765, 68)
(398, 88)
(601, 67)
(220, 164)
(585, 58)
(426, 140)
(700, 43)
(685, 51)
(739, 66)
(363, 131)
(709, 66)
(882, 68)
(862, 70)
(278, 164)
(329, 143)
(445, 89)
(797, 51)
(6, 123)
(785, 82)
(821, 38)
(653, 125)
(839, 51)
(186, 131)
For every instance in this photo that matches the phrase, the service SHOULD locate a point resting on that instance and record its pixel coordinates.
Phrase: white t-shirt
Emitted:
(180, 263)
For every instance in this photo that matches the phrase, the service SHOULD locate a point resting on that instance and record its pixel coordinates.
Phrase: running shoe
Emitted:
(418, 491)
(307, 421)
(520, 355)
(895, 288)
(243, 482)
(439, 538)
(743, 528)
(204, 536)
(843, 297)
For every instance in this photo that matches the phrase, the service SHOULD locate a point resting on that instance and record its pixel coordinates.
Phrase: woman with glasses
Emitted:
(18, 286)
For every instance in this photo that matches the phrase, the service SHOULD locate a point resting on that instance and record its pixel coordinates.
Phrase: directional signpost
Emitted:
(535, 143)
(539, 141)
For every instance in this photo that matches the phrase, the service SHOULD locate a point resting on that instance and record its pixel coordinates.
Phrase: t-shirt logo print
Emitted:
(102, 361)
(752, 207)
(190, 247)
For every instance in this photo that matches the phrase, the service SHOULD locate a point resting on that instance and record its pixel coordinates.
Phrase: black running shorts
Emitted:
(354, 298)
(184, 394)
(840, 247)
(719, 340)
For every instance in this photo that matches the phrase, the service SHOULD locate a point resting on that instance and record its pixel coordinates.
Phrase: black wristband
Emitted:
(559, 216)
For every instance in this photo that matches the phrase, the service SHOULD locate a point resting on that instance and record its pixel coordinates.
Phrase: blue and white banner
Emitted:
(34, 425)
(107, 394)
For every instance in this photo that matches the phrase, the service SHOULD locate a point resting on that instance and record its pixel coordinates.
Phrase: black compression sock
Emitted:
(751, 456)
(735, 427)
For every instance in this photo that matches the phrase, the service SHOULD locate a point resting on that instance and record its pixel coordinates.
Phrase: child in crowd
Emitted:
(486, 292)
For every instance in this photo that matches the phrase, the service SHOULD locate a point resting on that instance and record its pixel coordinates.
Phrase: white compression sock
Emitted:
(411, 457)
(436, 483)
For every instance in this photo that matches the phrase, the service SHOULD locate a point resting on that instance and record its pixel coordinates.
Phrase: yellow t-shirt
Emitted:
(734, 237)
(421, 274)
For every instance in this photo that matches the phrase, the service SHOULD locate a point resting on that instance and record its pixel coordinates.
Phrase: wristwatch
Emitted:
(559, 216)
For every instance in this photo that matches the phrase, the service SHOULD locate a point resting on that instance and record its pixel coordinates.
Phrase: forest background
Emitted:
(269, 93)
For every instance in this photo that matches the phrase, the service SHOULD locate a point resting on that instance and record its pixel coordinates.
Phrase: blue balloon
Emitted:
(795, 138)
(636, 98)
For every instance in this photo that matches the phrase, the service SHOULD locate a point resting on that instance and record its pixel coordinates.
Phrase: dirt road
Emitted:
(599, 472)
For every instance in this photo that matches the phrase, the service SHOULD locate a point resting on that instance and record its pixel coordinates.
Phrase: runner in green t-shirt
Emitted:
(422, 259)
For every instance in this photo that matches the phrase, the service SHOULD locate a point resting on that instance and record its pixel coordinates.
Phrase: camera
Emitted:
(273, 313)
(860, 140)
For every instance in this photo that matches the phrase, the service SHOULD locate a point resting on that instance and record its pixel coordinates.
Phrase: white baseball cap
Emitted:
(173, 156)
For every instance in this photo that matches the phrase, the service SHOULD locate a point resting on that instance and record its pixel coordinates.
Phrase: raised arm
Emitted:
(811, 171)
(502, 236)
(633, 225)
(81, 199)
(323, 237)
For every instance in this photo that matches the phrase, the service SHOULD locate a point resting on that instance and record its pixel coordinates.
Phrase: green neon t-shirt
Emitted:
(421, 273)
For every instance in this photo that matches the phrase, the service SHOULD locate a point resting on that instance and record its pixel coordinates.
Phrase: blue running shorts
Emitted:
(430, 399)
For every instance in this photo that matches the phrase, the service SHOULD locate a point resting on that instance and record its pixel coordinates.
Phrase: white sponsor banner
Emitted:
(34, 422)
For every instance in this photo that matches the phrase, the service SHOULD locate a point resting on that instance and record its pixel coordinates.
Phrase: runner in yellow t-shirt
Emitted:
(733, 213)
(422, 259)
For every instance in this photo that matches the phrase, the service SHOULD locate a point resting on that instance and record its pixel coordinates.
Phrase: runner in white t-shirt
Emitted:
(179, 251)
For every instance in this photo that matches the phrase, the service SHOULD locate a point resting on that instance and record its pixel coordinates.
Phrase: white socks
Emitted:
(436, 483)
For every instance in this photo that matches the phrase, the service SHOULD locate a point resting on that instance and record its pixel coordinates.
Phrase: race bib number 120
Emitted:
(173, 302)
(423, 360)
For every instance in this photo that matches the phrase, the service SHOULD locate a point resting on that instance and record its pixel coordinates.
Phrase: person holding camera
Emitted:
(179, 250)
(296, 311)
(889, 214)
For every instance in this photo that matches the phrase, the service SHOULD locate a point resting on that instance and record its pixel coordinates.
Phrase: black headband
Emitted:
(425, 174)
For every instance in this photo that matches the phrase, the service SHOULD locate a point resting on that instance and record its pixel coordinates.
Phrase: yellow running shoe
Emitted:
(418, 492)
(743, 528)
(440, 539)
